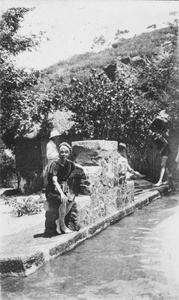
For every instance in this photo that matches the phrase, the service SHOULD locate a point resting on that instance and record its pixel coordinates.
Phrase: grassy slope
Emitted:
(79, 65)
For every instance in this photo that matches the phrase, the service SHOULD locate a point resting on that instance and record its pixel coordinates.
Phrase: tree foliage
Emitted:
(7, 167)
(10, 24)
(105, 110)
(98, 41)
(22, 94)
(120, 33)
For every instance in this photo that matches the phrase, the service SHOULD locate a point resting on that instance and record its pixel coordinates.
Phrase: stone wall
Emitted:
(101, 191)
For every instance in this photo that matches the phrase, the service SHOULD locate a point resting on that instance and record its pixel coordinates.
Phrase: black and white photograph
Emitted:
(89, 160)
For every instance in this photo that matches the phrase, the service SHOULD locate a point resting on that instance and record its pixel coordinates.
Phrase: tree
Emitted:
(120, 33)
(105, 110)
(11, 41)
(22, 94)
(158, 85)
(98, 41)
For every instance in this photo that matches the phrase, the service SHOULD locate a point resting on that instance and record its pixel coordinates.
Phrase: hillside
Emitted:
(146, 44)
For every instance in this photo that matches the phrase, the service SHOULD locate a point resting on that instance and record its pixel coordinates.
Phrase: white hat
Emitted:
(54, 133)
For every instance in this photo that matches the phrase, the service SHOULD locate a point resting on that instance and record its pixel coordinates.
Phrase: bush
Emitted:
(8, 169)
(107, 110)
(25, 206)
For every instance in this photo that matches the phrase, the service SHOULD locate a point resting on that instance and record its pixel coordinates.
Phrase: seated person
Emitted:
(57, 190)
(123, 165)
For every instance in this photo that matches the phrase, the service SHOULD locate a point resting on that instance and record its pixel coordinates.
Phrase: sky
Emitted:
(70, 26)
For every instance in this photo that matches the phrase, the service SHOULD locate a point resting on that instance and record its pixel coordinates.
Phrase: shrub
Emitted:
(8, 169)
(25, 206)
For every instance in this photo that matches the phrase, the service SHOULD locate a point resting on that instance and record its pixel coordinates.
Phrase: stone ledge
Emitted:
(51, 248)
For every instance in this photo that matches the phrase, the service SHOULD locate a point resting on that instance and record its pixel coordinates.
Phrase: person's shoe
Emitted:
(58, 226)
(67, 230)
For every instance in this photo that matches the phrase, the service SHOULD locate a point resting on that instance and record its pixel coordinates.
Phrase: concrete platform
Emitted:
(24, 251)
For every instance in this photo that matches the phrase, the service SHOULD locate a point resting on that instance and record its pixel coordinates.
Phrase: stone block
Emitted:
(89, 153)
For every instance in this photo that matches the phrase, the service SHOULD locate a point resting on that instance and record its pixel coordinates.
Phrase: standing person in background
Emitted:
(162, 142)
(52, 153)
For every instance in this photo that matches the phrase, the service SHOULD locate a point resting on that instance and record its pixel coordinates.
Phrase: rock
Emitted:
(90, 153)
(137, 60)
(111, 71)
(125, 60)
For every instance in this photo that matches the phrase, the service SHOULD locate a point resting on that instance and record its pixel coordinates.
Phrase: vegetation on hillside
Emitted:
(104, 107)
(122, 106)
(80, 65)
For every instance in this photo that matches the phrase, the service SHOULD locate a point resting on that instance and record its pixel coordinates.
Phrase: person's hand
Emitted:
(64, 198)
(137, 173)
(142, 176)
